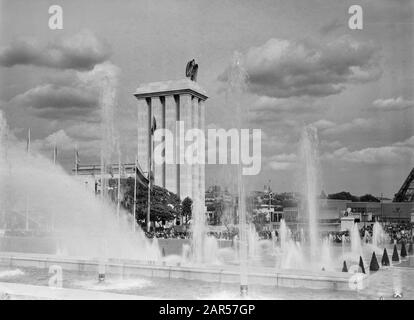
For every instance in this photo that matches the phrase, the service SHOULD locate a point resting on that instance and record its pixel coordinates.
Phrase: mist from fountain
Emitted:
(236, 86)
(80, 221)
(253, 241)
(289, 255)
(356, 245)
(309, 178)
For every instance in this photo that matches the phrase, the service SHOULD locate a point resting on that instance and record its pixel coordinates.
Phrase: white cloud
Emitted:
(323, 124)
(391, 104)
(397, 153)
(284, 68)
(358, 124)
(282, 161)
(81, 51)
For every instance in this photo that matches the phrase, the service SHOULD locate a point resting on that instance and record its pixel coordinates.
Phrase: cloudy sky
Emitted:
(305, 66)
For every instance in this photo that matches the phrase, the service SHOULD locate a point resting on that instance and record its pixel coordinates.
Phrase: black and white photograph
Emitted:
(206, 150)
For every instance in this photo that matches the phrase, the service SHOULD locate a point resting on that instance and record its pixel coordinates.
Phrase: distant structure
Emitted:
(91, 174)
(406, 192)
(191, 70)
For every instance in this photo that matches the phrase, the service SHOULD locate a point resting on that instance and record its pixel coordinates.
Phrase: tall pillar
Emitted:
(158, 113)
(143, 131)
(201, 167)
(171, 118)
(172, 101)
(195, 194)
(186, 115)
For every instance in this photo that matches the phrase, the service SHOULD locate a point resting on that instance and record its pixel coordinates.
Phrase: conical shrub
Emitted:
(410, 248)
(385, 261)
(361, 264)
(374, 266)
(163, 252)
(344, 267)
(395, 257)
(403, 250)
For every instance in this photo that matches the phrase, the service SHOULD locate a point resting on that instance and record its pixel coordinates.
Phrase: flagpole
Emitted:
(27, 198)
(135, 197)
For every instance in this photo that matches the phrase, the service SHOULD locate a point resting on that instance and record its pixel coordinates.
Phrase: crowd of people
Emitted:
(167, 234)
(402, 232)
(396, 231)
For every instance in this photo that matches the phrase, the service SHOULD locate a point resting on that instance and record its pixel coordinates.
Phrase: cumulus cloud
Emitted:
(392, 104)
(270, 105)
(80, 52)
(331, 144)
(65, 144)
(397, 153)
(358, 124)
(331, 26)
(283, 68)
(85, 131)
(323, 124)
(282, 161)
(58, 102)
(58, 138)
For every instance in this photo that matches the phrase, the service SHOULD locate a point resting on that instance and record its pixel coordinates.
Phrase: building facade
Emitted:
(177, 106)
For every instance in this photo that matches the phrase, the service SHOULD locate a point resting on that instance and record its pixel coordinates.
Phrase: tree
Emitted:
(368, 198)
(165, 205)
(343, 196)
(187, 208)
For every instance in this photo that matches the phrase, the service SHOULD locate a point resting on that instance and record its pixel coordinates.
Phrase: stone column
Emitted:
(143, 131)
(171, 117)
(158, 114)
(201, 167)
(185, 169)
(195, 167)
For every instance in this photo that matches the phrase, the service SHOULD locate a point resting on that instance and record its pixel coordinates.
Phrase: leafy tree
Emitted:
(343, 196)
(187, 208)
(165, 205)
(259, 220)
(368, 198)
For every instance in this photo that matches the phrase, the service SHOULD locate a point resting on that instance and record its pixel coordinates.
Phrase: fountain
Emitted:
(88, 235)
(236, 86)
(309, 174)
(79, 218)
(356, 246)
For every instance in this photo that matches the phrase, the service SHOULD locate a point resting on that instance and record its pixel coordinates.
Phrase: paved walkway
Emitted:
(26, 291)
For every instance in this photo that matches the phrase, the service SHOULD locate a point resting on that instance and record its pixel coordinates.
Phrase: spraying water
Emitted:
(309, 159)
(378, 235)
(104, 77)
(81, 222)
(237, 78)
(356, 246)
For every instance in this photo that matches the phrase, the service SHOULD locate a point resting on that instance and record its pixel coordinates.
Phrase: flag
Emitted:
(154, 125)
(28, 141)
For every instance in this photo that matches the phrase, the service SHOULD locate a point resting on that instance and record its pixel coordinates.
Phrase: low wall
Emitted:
(48, 245)
(221, 274)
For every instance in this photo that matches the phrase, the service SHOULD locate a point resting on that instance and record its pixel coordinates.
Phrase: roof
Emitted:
(170, 87)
